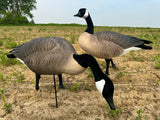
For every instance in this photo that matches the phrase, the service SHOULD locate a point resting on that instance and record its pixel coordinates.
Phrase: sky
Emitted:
(131, 13)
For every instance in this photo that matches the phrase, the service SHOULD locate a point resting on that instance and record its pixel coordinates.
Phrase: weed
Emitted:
(114, 113)
(158, 82)
(88, 88)
(124, 68)
(33, 81)
(75, 87)
(156, 57)
(131, 88)
(29, 29)
(1, 77)
(1, 43)
(90, 75)
(10, 45)
(139, 117)
(136, 58)
(157, 64)
(72, 38)
(19, 76)
(4, 79)
(42, 29)
(5, 29)
(132, 53)
(102, 63)
(7, 106)
(6, 61)
(147, 36)
(121, 74)
(130, 80)
(23, 67)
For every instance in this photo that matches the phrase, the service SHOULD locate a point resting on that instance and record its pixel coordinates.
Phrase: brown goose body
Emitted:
(48, 56)
(107, 44)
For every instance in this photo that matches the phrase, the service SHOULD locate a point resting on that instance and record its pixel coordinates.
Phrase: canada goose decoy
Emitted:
(107, 44)
(54, 56)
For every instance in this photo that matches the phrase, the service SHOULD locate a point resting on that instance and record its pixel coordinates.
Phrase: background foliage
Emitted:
(16, 11)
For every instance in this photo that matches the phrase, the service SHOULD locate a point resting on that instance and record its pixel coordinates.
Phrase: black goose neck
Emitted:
(90, 27)
(97, 72)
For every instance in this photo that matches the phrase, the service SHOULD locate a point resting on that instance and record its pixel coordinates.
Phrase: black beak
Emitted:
(111, 103)
(76, 15)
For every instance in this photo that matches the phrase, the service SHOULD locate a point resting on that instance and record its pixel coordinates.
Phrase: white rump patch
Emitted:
(86, 14)
(100, 85)
(130, 49)
(21, 61)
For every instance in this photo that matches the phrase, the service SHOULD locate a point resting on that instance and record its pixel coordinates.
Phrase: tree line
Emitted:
(16, 11)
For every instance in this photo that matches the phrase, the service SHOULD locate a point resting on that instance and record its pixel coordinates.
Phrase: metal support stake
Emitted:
(55, 91)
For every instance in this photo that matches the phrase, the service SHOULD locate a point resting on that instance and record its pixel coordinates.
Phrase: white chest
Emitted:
(88, 43)
(84, 40)
(100, 85)
(72, 67)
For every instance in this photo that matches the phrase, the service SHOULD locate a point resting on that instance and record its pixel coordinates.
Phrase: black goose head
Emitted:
(82, 13)
(108, 91)
(103, 83)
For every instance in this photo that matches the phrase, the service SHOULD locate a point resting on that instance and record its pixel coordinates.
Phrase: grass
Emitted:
(7, 106)
(121, 74)
(6, 61)
(136, 57)
(88, 88)
(5, 82)
(10, 45)
(157, 64)
(90, 74)
(1, 43)
(3, 79)
(12, 36)
(75, 87)
(113, 113)
(18, 75)
(156, 58)
(139, 113)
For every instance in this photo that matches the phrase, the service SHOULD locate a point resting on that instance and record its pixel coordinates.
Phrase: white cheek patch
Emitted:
(130, 49)
(86, 14)
(100, 85)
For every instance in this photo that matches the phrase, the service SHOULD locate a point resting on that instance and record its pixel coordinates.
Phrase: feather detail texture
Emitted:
(108, 44)
(124, 41)
(48, 56)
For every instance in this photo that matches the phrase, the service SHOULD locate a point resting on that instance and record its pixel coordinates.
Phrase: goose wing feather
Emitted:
(43, 55)
(124, 41)
(54, 44)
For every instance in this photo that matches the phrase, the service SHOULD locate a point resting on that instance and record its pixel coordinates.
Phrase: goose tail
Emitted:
(147, 41)
(142, 46)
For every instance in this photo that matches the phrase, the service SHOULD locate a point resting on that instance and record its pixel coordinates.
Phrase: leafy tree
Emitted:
(16, 11)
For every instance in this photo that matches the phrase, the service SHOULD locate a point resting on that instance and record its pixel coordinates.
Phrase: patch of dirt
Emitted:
(138, 88)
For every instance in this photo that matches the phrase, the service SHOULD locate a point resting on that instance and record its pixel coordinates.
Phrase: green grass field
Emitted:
(136, 79)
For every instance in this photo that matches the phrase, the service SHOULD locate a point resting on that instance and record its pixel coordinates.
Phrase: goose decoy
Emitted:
(107, 44)
(54, 56)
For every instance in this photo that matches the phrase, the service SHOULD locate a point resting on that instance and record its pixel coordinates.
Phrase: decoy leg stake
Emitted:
(55, 91)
